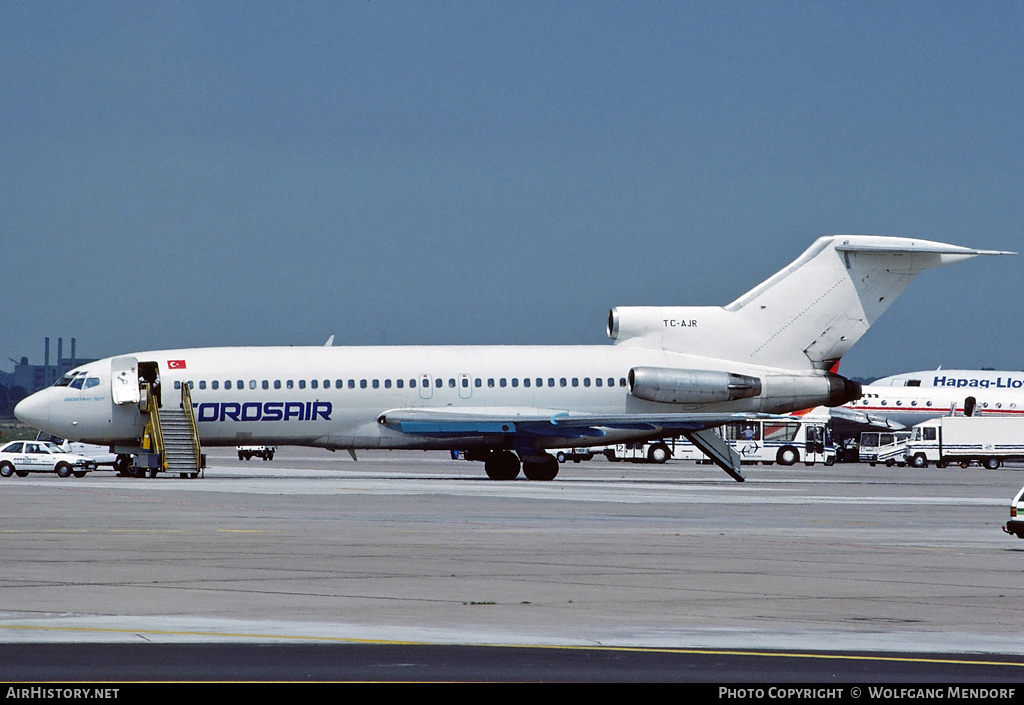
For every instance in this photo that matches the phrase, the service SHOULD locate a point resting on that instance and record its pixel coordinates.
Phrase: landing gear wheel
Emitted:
(6, 469)
(919, 461)
(992, 463)
(63, 470)
(658, 453)
(546, 469)
(787, 455)
(502, 465)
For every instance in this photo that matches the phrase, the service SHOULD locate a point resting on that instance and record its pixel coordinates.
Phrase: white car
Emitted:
(23, 457)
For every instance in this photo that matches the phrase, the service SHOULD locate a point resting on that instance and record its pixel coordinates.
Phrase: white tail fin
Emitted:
(808, 315)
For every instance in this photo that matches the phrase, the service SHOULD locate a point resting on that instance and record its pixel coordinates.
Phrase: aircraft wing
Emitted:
(857, 417)
(556, 423)
(549, 422)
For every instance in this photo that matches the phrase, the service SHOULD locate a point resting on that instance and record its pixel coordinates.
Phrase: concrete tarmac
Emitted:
(414, 547)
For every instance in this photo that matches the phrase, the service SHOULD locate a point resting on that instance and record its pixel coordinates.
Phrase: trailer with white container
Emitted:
(987, 440)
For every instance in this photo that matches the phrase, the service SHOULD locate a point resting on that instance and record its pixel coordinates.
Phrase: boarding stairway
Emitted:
(174, 438)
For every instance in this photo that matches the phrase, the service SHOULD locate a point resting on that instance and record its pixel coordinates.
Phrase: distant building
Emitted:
(32, 378)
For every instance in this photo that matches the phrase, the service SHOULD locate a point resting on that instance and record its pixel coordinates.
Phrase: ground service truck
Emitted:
(987, 440)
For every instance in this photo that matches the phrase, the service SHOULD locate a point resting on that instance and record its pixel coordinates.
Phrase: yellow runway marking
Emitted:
(563, 647)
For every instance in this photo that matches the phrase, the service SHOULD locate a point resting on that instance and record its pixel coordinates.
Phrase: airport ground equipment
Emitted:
(575, 455)
(170, 442)
(989, 441)
(888, 447)
(250, 452)
(785, 441)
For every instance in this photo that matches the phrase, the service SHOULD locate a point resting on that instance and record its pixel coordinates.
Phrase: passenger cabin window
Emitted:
(277, 384)
(227, 384)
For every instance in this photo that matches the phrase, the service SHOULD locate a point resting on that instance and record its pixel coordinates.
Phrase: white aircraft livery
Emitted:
(961, 379)
(671, 370)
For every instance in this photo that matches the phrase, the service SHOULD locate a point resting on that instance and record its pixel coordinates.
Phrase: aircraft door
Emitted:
(124, 380)
(426, 390)
(465, 386)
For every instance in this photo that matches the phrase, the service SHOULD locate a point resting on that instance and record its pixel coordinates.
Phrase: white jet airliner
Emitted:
(672, 370)
(897, 408)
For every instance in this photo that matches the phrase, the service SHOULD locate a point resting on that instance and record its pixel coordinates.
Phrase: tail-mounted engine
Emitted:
(674, 386)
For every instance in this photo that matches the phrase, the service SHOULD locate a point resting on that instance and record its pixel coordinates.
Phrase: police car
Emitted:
(1015, 525)
(22, 457)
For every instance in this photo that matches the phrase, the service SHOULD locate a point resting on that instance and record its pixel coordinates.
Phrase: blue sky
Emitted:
(192, 174)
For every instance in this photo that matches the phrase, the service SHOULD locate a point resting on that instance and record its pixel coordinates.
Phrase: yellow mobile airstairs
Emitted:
(171, 439)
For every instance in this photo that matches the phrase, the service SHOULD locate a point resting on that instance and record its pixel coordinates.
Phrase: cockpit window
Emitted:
(91, 382)
(72, 379)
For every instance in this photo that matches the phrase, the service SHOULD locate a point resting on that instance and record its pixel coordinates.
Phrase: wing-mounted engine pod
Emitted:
(842, 390)
(674, 386)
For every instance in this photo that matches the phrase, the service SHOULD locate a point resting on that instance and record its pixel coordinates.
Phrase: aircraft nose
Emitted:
(33, 410)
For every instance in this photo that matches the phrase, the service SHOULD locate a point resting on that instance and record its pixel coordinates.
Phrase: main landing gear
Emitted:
(504, 465)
